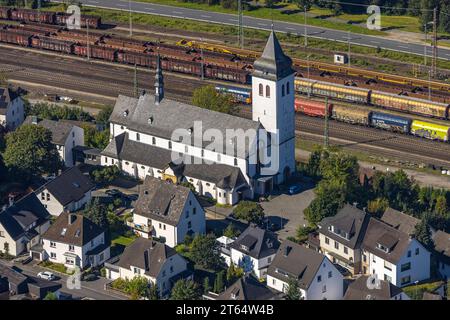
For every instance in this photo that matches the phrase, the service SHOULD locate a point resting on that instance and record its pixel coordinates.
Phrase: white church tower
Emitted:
(273, 104)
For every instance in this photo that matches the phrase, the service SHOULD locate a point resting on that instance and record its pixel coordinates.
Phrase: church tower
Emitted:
(273, 97)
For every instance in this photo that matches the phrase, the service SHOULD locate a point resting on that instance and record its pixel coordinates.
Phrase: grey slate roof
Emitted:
(23, 213)
(12, 275)
(399, 220)
(273, 63)
(121, 147)
(260, 243)
(442, 245)
(70, 186)
(146, 254)
(358, 290)
(78, 233)
(349, 219)
(161, 200)
(60, 130)
(169, 115)
(247, 288)
(379, 232)
(296, 262)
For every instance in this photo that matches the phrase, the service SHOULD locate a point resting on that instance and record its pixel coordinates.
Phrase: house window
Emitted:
(203, 153)
(274, 282)
(282, 91)
(327, 240)
(73, 134)
(261, 90)
(52, 255)
(405, 280)
(160, 226)
(136, 271)
(170, 144)
(330, 274)
(267, 91)
(153, 140)
(42, 196)
(387, 265)
(324, 289)
(336, 245)
(164, 227)
(2, 234)
(319, 278)
(71, 247)
(405, 266)
(345, 250)
(101, 256)
(288, 89)
(48, 196)
(189, 225)
(138, 137)
(171, 269)
(194, 210)
(52, 244)
(164, 273)
(417, 251)
(269, 259)
(235, 162)
(386, 277)
(409, 253)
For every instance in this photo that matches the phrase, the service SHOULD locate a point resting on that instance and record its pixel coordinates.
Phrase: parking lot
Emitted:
(286, 211)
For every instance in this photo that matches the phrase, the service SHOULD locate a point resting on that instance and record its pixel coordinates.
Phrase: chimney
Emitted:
(159, 82)
(147, 268)
(72, 218)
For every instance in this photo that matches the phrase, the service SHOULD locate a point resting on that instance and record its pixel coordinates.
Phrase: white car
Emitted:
(46, 275)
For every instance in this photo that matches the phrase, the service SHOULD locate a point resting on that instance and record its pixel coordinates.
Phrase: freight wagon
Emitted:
(240, 95)
(96, 52)
(353, 115)
(18, 37)
(5, 13)
(410, 105)
(390, 122)
(312, 108)
(33, 16)
(94, 22)
(430, 130)
(52, 44)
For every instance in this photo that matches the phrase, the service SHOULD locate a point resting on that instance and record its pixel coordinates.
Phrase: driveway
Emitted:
(287, 210)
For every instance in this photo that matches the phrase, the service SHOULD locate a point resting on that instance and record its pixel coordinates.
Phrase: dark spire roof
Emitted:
(273, 64)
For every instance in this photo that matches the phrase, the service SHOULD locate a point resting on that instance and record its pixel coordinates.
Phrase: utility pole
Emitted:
(429, 84)
(131, 19)
(426, 44)
(306, 31)
(240, 25)
(326, 133)
(435, 44)
(349, 50)
(135, 86)
(307, 64)
(88, 44)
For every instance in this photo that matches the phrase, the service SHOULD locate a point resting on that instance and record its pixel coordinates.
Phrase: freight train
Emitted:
(47, 17)
(364, 116)
(122, 50)
(374, 98)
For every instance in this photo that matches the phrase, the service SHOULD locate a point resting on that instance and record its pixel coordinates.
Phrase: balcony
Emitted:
(140, 227)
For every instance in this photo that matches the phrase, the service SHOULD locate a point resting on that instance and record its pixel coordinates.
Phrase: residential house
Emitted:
(393, 255)
(68, 192)
(317, 277)
(21, 225)
(245, 288)
(442, 250)
(167, 211)
(400, 221)
(17, 282)
(341, 237)
(65, 136)
(156, 261)
(12, 109)
(75, 241)
(143, 140)
(254, 250)
(369, 288)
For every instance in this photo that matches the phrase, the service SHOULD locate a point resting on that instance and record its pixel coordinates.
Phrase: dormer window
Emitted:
(243, 247)
(191, 130)
(125, 113)
(150, 120)
(383, 248)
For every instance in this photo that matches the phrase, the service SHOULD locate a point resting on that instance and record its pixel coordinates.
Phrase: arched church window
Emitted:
(261, 90)
(267, 92)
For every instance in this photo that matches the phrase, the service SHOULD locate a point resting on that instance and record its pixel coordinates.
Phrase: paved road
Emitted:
(264, 24)
(94, 289)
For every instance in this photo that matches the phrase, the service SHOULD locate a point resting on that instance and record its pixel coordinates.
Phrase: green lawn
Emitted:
(58, 267)
(416, 292)
(123, 240)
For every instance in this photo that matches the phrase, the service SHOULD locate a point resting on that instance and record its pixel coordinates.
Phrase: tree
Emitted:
(50, 296)
(185, 290)
(303, 233)
(30, 152)
(219, 283)
(137, 287)
(293, 290)
(249, 211)
(304, 4)
(205, 252)
(423, 233)
(208, 98)
(234, 273)
(97, 213)
(441, 205)
(94, 138)
(377, 206)
(104, 115)
(206, 286)
(230, 231)
(105, 175)
(153, 292)
(444, 16)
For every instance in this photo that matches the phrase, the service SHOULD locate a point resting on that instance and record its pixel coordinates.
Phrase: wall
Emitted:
(52, 205)
(15, 114)
(75, 138)
(15, 248)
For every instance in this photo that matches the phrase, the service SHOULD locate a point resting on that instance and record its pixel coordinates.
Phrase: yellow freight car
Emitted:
(430, 130)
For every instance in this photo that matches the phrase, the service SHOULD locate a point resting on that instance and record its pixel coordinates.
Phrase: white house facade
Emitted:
(12, 109)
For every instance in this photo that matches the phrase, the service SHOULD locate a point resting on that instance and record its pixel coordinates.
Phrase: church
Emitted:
(169, 140)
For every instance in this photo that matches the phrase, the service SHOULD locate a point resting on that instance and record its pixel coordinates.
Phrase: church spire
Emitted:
(159, 81)
(273, 63)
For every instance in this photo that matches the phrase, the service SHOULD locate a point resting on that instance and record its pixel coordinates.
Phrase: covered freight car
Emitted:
(353, 115)
(410, 105)
(312, 108)
(96, 52)
(52, 44)
(430, 130)
(390, 122)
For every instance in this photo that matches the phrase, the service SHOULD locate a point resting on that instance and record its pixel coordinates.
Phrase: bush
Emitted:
(105, 175)
(249, 211)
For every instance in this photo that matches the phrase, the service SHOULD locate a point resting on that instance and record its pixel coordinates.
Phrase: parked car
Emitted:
(46, 275)
(294, 189)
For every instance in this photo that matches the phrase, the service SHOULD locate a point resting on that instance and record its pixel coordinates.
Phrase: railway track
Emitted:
(111, 81)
